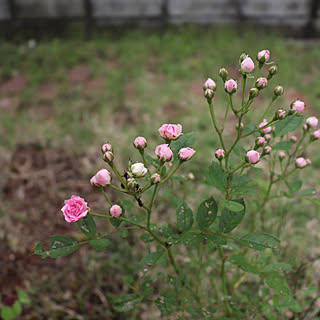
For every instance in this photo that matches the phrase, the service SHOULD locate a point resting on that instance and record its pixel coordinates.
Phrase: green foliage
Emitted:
(289, 124)
(216, 177)
(125, 303)
(184, 217)
(240, 261)
(207, 213)
(186, 140)
(283, 145)
(192, 239)
(100, 244)
(11, 312)
(153, 258)
(259, 241)
(88, 226)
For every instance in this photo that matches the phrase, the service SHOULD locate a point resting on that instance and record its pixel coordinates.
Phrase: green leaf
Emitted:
(283, 145)
(216, 238)
(241, 185)
(166, 304)
(294, 186)
(192, 239)
(277, 267)
(186, 140)
(154, 162)
(23, 297)
(125, 303)
(17, 308)
(277, 282)
(207, 213)
(59, 246)
(259, 241)
(232, 205)
(100, 244)
(315, 201)
(308, 192)
(215, 176)
(287, 302)
(147, 237)
(230, 219)
(241, 262)
(123, 233)
(289, 124)
(184, 217)
(88, 226)
(153, 258)
(7, 313)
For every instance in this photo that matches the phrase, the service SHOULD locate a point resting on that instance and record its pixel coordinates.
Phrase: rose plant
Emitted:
(209, 252)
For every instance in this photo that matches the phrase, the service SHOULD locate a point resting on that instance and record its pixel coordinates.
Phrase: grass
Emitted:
(147, 78)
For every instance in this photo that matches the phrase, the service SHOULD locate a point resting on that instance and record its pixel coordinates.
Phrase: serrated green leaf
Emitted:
(277, 266)
(308, 192)
(277, 282)
(241, 262)
(283, 145)
(7, 313)
(315, 201)
(294, 186)
(241, 185)
(215, 176)
(289, 124)
(192, 239)
(146, 237)
(216, 238)
(87, 226)
(230, 219)
(123, 233)
(153, 258)
(184, 217)
(166, 304)
(100, 244)
(23, 297)
(232, 205)
(207, 213)
(287, 302)
(259, 241)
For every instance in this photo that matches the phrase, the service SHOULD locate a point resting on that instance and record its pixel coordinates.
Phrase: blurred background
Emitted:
(75, 74)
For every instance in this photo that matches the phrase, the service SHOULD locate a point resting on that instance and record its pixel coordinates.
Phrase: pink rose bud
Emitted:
(315, 135)
(260, 142)
(294, 139)
(155, 178)
(308, 162)
(266, 150)
(230, 86)
(298, 106)
(263, 124)
(108, 156)
(263, 56)
(261, 83)
(208, 94)
(305, 127)
(253, 157)
(301, 162)
(209, 84)
(170, 131)
(268, 137)
(116, 211)
(281, 155)
(106, 147)
(247, 65)
(219, 154)
(138, 170)
(163, 152)
(101, 179)
(280, 115)
(132, 184)
(74, 209)
(186, 154)
(140, 143)
(312, 122)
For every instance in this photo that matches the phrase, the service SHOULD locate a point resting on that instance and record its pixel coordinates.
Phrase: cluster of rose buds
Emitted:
(76, 208)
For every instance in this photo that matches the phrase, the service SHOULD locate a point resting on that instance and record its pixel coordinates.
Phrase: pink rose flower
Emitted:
(253, 156)
(298, 106)
(155, 178)
(170, 131)
(209, 84)
(186, 154)
(163, 152)
(312, 122)
(247, 65)
(263, 56)
(261, 83)
(74, 209)
(106, 147)
(108, 156)
(230, 86)
(140, 143)
(260, 141)
(316, 134)
(219, 154)
(116, 211)
(268, 137)
(264, 123)
(101, 178)
(301, 162)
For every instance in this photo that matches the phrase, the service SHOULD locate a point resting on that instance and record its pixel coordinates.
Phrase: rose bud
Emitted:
(260, 142)
(140, 143)
(280, 115)
(272, 71)
(170, 131)
(242, 57)
(294, 139)
(308, 162)
(281, 155)
(163, 152)
(116, 211)
(209, 94)
(268, 137)
(253, 92)
(209, 84)
(223, 73)
(297, 106)
(278, 91)
(264, 123)
(190, 176)
(138, 170)
(108, 157)
(101, 179)
(186, 154)
(230, 86)
(219, 154)
(247, 65)
(263, 56)
(315, 135)
(301, 163)
(266, 150)
(312, 122)
(107, 147)
(252, 157)
(261, 83)
(155, 178)
(74, 209)
(132, 184)
(305, 127)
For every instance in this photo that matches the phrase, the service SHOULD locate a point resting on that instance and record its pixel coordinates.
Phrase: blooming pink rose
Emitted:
(106, 147)
(101, 178)
(247, 65)
(186, 153)
(264, 123)
(140, 143)
(281, 155)
(163, 152)
(301, 162)
(230, 86)
(312, 122)
(316, 134)
(253, 156)
(268, 137)
(263, 56)
(219, 154)
(298, 106)
(116, 211)
(74, 209)
(210, 84)
(261, 83)
(170, 131)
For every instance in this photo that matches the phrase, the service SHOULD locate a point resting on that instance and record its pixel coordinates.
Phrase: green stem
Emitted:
(171, 173)
(115, 170)
(271, 123)
(232, 107)
(265, 112)
(237, 167)
(105, 195)
(118, 189)
(225, 117)
(215, 124)
(244, 78)
(144, 161)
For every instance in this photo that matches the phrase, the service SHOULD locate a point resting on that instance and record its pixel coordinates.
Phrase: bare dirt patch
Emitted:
(48, 91)
(79, 74)
(14, 85)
